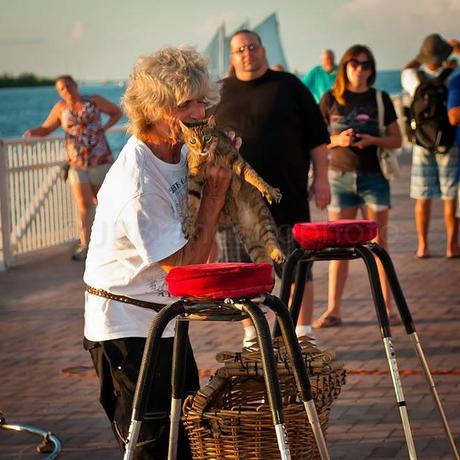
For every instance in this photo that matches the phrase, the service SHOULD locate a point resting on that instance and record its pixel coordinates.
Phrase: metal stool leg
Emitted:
(288, 274)
(270, 373)
(384, 324)
(147, 370)
(300, 371)
(300, 267)
(410, 329)
(177, 383)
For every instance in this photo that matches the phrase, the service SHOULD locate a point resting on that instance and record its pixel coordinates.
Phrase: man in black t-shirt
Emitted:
(282, 131)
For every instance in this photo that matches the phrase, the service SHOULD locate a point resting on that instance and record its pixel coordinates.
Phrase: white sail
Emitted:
(215, 53)
(218, 49)
(268, 30)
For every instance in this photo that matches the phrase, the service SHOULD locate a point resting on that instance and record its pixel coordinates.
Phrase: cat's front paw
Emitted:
(278, 256)
(187, 229)
(273, 195)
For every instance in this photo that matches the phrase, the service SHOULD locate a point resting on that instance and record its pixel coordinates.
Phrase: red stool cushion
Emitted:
(320, 235)
(219, 281)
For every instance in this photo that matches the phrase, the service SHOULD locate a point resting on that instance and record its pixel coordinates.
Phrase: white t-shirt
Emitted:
(141, 206)
(410, 79)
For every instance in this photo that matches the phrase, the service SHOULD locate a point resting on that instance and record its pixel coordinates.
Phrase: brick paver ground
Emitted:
(41, 321)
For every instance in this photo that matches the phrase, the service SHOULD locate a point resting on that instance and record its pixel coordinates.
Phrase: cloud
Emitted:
(76, 32)
(22, 41)
(425, 16)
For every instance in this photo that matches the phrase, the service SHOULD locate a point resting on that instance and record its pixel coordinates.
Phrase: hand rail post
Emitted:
(5, 253)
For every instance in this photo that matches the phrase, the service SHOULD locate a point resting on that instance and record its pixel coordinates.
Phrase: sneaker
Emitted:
(80, 253)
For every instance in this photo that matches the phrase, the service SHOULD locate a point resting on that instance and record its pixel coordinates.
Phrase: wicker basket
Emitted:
(230, 418)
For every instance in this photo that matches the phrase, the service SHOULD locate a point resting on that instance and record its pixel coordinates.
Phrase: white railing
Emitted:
(37, 208)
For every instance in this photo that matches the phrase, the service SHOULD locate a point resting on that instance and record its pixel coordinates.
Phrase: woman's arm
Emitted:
(109, 108)
(52, 122)
(320, 189)
(197, 250)
(454, 116)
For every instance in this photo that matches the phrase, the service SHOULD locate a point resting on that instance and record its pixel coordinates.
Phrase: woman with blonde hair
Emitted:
(137, 238)
(351, 112)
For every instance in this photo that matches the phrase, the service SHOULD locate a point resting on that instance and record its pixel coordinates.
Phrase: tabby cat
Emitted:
(244, 204)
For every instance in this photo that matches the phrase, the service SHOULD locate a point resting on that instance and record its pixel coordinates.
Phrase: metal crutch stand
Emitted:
(150, 358)
(408, 322)
(148, 365)
(385, 332)
(177, 383)
(287, 330)
(354, 252)
(294, 263)
(269, 370)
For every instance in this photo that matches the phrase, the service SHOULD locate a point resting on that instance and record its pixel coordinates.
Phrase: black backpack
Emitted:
(426, 120)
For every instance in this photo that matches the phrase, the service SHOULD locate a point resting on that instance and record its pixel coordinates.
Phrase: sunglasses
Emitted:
(355, 63)
(250, 47)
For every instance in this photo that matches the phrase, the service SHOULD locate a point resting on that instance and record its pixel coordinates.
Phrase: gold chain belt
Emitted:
(121, 298)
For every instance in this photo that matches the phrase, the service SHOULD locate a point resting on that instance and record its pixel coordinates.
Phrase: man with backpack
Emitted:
(435, 155)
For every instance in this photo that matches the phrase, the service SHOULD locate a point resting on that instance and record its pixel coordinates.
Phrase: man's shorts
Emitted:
(232, 250)
(458, 201)
(356, 189)
(434, 174)
(94, 175)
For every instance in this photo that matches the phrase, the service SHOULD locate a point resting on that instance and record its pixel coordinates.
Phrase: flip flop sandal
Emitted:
(327, 321)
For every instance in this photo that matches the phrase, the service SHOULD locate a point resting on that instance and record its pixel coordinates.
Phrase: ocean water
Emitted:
(24, 108)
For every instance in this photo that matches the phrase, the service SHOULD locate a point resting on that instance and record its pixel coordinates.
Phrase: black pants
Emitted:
(117, 364)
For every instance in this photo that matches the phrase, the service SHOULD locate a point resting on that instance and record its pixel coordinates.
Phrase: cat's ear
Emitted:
(183, 126)
(212, 121)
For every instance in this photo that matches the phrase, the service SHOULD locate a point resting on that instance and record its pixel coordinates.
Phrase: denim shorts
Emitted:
(356, 189)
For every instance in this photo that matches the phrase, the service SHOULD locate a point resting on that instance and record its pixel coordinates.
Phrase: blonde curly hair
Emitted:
(161, 82)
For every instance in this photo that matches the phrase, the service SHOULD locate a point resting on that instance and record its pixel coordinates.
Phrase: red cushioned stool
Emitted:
(352, 239)
(223, 292)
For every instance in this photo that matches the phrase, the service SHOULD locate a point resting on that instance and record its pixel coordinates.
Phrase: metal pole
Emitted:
(147, 371)
(299, 369)
(292, 264)
(4, 210)
(384, 324)
(177, 384)
(270, 373)
(410, 329)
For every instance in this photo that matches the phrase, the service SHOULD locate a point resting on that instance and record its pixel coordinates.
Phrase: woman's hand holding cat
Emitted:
(236, 141)
(217, 182)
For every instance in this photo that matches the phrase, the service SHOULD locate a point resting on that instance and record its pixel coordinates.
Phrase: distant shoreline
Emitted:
(24, 80)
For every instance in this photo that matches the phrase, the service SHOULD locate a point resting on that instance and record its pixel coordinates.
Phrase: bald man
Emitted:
(321, 78)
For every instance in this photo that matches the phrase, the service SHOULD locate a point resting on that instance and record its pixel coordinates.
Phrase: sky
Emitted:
(101, 39)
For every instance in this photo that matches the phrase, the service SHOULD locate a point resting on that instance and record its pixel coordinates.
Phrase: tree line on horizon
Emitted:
(24, 79)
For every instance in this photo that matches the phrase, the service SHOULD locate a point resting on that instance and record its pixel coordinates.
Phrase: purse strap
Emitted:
(380, 111)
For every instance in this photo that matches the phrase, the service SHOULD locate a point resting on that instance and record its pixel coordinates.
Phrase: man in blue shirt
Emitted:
(453, 107)
(321, 78)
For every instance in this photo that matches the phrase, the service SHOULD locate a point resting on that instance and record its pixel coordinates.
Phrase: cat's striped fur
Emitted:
(244, 204)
